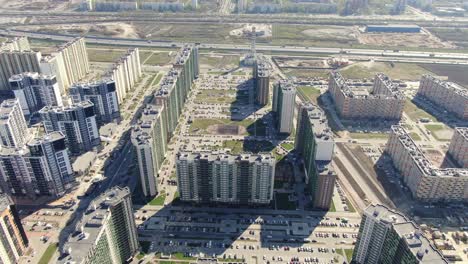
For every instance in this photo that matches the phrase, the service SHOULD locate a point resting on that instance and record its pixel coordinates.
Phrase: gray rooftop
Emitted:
(6, 108)
(5, 202)
(319, 121)
(224, 156)
(142, 132)
(53, 136)
(89, 228)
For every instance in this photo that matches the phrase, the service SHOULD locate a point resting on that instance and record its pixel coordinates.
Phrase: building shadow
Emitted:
(242, 107)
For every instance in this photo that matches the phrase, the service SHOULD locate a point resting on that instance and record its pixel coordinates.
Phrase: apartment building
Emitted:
(387, 236)
(447, 95)
(42, 168)
(284, 104)
(77, 122)
(34, 91)
(261, 77)
(104, 97)
(425, 181)
(107, 232)
(13, 240)
(150, 142)
(16, 43)
(175, 86)
(13, 127)
(69, 63)
(356, 100)
(458, 147)
(225, 178)
(126, 71)
(15, 62)
(314, 142)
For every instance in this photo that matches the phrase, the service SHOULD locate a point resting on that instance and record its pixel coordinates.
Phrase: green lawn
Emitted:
(98, 55)
(221, 61)
(434, 128)
(235, 146)
(283, 203)
(348, 253)
(416, 113)
(180, 256)
(369, 135)
(159, 58)
(159, 199)
(309, 92)
(415, 136)
(332, 207)
(350, 206)
(48, 254)
(288, 146)
(216, 96)
(307, 73)
(402, 71)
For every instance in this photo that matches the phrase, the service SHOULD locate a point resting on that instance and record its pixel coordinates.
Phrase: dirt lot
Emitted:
(116, 30)
(455, 73)
(263, 30)
(306, 63)
(422, 40)
(32, 5)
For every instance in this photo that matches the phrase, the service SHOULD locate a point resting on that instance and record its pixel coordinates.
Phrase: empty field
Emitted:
(216, 96)
(158, 58)
(98, 55)
(416, 113)
(219, 61)
(309, 92)
(455, 73)
(367, 70)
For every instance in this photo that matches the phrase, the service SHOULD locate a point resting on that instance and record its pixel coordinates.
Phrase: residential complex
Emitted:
(13, 127)
(125, 72)
(15, 62)
(150, 142)
(77, 122)
(13, 240)
(103, 95)
(43, 168)
(17, 43)
(34, 91)
(387, 236)
(448, 95)
(225, 178)
(176, 85)
(314, 142)
(107, 232)
(353, 100)
(284, 103)
(458, 147)
(261, 76)
(425, 181)
(69, 63)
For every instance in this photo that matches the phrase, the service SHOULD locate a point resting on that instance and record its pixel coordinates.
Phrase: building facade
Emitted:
(284, 104)
(125, 73)
(225, 178)
(458, 147)
(314, 142)
(42, 168)
(16, 43)
(354, 101)
(150, 143)
(34, 91)
(261, 77)
(425, 181)
(77, 122)
(13, 127)
(13, 240)
(107, 232)
(103, 95)
(448, 95)
(15, 62)
(69, 63)
(386, 236)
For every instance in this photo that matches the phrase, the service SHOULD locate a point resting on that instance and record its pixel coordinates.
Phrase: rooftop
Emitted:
(53, 136)
(69, 108)
(223, 156)
(463, 131)
(168, 83)
(319, 122)
(420, 159)
(80, 243)
(263, 67)
(6, 109)
(5, 202)
(287, 86)
(142, 132)
(184, 54)
(30, 75)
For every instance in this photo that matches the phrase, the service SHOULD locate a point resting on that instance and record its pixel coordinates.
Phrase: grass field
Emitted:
(416, 113)
(158, 58)
(367, 70)
(221, 61)
(216, 96)
(306, 73)
(415, 136)
(48, 254)
(159, 199)
(105, 56)
(180, 256)
(288, 146)
(332, 207)
(348, 253)
(235, 146)
(435, 129)
(200, 126)
(309, 92)
(369, 135)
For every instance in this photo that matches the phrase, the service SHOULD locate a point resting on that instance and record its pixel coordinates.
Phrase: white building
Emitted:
(34, 91)
(16, 62)
(13, 127)
(284, 102)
